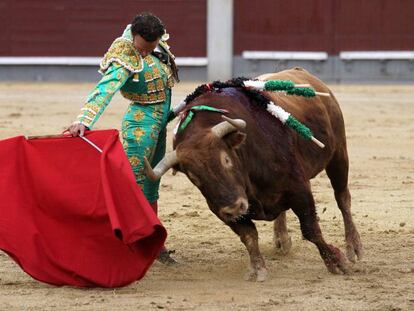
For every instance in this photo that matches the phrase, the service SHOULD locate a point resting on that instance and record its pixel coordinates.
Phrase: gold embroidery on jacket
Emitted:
(134, 161)
(151, 87)
(154, 132)
(160, 85)
(122, 52)
(125, 124)
(125, 144)
(157, 79)
(139, 115)
(148, 59)
(148, 76)
(93, 107)
(138, 133)
(145, 99)
(156, 73)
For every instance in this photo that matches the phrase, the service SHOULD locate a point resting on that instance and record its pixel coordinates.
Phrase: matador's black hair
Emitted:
(148, 26)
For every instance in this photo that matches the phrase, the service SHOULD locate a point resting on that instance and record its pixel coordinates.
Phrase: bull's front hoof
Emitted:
(335, 261)
(283, 245)
(256, 275)
(354, 248)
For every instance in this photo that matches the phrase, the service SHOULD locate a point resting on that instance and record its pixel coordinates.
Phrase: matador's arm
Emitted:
(114, 78)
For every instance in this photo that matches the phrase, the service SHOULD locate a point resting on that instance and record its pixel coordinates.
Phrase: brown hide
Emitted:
(321, 114)
(258, 172)
(273, 159)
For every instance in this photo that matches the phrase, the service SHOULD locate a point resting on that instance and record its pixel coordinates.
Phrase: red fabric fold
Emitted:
(70, 215)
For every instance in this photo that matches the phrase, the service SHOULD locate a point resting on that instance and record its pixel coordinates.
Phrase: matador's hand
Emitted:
(77, 129)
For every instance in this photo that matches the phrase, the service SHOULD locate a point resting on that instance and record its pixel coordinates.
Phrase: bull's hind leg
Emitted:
(337, 171)
(303, 206)
(282, 240)
(247, 231)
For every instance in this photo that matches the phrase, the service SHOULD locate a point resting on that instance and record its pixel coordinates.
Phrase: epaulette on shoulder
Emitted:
(164, 45)
(123, 52)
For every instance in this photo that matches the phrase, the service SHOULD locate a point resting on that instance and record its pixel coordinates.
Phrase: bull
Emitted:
(252, 167)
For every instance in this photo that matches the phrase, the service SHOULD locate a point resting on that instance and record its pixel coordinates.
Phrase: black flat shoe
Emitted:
(165, 258)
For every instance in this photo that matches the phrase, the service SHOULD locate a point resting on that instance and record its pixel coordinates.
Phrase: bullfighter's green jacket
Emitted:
(146, 82)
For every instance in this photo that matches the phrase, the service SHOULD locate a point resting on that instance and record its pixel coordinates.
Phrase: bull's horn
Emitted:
(169, 160)
(228, 126)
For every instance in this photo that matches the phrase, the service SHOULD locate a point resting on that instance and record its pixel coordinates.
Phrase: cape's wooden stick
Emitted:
(63, 135)
(91, 143)
(47, 136)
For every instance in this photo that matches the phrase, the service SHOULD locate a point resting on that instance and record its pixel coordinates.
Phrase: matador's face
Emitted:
(144, 47)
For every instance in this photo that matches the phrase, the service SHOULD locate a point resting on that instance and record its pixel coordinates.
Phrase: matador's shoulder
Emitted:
(123, 52)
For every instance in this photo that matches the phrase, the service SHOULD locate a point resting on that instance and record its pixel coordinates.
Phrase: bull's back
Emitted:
(321, 114)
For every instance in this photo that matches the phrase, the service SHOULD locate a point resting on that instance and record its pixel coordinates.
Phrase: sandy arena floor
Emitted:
(380, 129)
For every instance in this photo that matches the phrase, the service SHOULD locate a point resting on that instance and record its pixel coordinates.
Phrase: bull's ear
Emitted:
(235, 139)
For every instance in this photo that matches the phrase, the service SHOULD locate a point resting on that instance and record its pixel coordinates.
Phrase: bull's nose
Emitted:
(242, 205)
(232, 212)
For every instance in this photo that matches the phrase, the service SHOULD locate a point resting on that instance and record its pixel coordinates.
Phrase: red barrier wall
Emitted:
(324, 25)
(86, 28)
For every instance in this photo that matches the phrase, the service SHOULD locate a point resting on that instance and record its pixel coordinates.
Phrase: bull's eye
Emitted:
(225, 160)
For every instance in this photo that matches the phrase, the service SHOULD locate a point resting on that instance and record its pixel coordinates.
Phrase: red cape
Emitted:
(70, 215)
